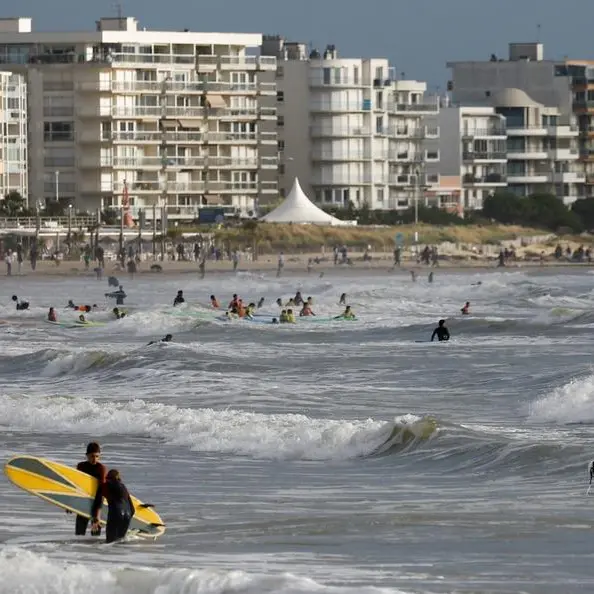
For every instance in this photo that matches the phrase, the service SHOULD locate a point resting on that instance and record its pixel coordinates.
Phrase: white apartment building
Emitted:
(560, 84)
(14, 175)
(161, 118)
(542, 147)
(472, 145)
(348, 130)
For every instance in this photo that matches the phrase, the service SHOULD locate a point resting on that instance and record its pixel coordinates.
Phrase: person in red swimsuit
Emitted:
(94, 468)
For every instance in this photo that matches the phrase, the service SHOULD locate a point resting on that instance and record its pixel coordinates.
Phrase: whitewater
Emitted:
(330, 457)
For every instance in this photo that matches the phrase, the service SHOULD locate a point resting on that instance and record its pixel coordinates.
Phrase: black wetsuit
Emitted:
(120, 510)
(99, 472)
(442, 333)
(178, 300)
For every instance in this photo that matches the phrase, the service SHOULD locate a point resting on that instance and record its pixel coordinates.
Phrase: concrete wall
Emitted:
(294, 109)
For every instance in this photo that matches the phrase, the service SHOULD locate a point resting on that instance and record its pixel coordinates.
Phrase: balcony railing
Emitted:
(177, 87)
(483, 156)
(323, 131)
(176, 112)
(431, 107)
(489, 178)
(478, 132)
(200, 162)
(194, 187)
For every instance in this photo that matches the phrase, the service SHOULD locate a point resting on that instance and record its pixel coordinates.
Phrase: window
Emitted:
(337, 76)
(327, 75)
(281, 168)
(281, 146)
(380, 195)
(379, 125)
(327, 195)
(379, 73)
(355, 75)
(280, 72)
(379, 100)
(58, 131)
(280, 121)
(280, 96)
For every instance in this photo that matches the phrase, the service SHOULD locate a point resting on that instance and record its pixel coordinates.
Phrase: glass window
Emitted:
(356, 75)
(280, 96)
(58, 131)
(379, 73)
(327, 75)
(337, 76)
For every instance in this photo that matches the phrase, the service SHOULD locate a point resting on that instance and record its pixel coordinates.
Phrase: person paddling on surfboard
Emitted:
(94, 468)
(51, 315)
(120, 507)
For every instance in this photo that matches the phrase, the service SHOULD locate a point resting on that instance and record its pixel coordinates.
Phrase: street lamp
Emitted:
(57, 185)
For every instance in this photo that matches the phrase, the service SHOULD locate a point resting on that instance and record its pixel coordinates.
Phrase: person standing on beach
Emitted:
(281, 264)
(202, 267)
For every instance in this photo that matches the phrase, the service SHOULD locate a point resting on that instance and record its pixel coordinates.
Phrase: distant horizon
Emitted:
(418, 39)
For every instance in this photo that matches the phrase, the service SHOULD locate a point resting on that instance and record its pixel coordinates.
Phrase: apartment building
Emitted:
(175, 119)
(473, 147)
(14, 175)
(348, 129)
(560, 84)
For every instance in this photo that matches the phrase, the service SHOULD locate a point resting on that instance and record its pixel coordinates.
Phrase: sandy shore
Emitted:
(296, 264)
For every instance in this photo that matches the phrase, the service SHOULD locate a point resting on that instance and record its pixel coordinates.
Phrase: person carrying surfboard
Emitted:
(120, 507)
(94, 468)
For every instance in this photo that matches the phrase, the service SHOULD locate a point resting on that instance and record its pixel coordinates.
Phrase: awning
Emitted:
(169, 123)
(216, 101)
(190, 123)
(211, 200)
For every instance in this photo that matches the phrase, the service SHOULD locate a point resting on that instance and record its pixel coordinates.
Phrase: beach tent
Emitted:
(298, 208)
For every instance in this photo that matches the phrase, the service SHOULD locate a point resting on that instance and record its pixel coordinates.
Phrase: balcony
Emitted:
(527, 153)
(413, 108)
(583, 105)
(491, 131)
(569, 177)
(207, 63)
(406, 157)
(326, 155)
(325, 107)
(529, 177)
(563, 154)
(184, 137)
(341, 180)
(345, 82)
(177, 87)
(401, 179)
(196, 187)
(328, 132)
(489, 179)
(484, 156)
(192, 162)
(563, 131)
(526, 130)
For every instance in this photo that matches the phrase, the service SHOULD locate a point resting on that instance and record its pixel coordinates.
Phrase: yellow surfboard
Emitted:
(74, 491)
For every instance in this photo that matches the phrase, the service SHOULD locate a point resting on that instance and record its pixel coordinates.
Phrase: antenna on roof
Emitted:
(538, 33)
(118, 8)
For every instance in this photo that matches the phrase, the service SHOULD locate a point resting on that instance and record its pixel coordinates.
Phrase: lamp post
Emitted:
(57, 185)
(69, 228)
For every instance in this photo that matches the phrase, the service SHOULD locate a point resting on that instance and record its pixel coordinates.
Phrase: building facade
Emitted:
(14, 171)
(173, 119)
(472, 145)
(557, 91)
(348, 129)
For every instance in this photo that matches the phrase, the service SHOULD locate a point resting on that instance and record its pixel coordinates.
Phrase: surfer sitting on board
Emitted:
(120, 507)
(94, 468)
(347, 314)
(442, 333)
(51, 315)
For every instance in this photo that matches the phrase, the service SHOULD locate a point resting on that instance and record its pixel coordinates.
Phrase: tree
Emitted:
(505, 207)
(109, 217)
(13, 205)
(584, 210)
(54, 208)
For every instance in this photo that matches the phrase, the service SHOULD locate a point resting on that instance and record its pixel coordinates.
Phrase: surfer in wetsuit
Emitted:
(120, 507)
(168, 338)
(442, 333)
(179, 299)
(94, 468)
(20, 305)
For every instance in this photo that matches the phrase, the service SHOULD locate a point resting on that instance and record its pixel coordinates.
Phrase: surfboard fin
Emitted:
(146, 505)
(157, 525)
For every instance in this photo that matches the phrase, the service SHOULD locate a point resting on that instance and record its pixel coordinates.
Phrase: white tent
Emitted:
(298, 208)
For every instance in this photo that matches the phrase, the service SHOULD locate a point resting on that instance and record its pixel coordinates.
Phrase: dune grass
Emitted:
(271, 238)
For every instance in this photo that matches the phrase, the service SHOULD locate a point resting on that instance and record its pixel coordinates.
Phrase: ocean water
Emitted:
(333, 457)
